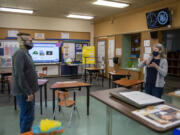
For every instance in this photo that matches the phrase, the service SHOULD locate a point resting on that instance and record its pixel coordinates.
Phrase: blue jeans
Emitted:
(154, 91)
(26, 113)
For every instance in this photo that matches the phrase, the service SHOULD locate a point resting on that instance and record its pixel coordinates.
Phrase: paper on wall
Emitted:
(118, 51)
(147, 50)
(39, 36)
(64, 35)
(111, 63)
(146, 56)
(111, 49)
(69, 50)
(101, 51)
(146, 42)
(12, 33)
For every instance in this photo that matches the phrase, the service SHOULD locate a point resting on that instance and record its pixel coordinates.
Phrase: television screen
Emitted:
(45, 53)
(158, 18)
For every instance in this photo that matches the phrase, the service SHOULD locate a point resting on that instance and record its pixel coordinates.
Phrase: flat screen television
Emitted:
(45, 53)
(159, 18)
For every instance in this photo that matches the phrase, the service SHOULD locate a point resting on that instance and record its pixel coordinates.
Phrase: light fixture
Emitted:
(80, 16)
(111, 4)
(16, 10)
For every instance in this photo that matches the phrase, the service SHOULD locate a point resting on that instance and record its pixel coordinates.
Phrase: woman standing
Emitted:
(156, 68)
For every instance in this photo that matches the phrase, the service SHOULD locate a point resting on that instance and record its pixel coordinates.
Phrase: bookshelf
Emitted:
(135, 48)
(173, 63)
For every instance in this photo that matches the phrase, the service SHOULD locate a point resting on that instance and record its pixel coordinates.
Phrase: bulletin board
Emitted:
(68, 50)
(7, 49)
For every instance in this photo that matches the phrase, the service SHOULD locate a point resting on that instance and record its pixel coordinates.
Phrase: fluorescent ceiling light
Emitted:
(16, 10)
(80, 16)
(111, 4)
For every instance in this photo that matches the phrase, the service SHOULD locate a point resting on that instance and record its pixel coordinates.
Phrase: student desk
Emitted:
(128, 83)
(62, 86)
(3, 74)
(174, 94)
(113, 76)
(120, 119)
(72, 67)
(174, 98)
(94, 70)
(42, 83)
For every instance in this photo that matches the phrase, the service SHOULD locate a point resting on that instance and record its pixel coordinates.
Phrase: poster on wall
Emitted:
(101, 51)
(111, 49)
(69, 50)
(118, 51)
(147, 50)
(12, 33)
(39, 36)
(88, 55)
(64, 35)
(111, 63)
(146, 43)
(8, 48)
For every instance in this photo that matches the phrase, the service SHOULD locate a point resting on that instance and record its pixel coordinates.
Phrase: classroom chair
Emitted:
(44, 72)
(64, 101)
(5, 84)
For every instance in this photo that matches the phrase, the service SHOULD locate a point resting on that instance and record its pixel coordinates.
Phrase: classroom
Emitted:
(90, 67)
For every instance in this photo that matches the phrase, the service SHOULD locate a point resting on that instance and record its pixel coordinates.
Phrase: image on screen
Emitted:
(45, 53)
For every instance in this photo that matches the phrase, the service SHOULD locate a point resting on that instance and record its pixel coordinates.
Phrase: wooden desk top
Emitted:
(173, 94)
(125, 108)
(69, 84)
(6, 72)
(94, 69)
(42, 81)
(128, 83)
(118, 73)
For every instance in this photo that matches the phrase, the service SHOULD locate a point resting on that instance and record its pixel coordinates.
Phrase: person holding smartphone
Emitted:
(156, 68)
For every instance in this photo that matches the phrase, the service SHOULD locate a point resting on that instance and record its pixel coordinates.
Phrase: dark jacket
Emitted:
(162, 71)
(24, 74)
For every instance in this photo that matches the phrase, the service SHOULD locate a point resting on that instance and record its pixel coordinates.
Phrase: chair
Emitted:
(44, 72)
(64, 101)
(5, 82)
(94, 75)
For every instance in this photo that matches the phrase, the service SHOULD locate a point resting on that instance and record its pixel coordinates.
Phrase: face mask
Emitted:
(28, 45)
(155, 53)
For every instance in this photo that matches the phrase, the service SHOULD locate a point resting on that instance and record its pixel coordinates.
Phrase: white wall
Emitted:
(45, 23)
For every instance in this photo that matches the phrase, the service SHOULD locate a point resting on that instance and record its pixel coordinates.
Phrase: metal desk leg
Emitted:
(15, 103)
(85, 75)
(45, 94)
(74, 99)
(109, 80)
(108, 120)
(41, 100)
(53, 103)
(90, 74)
(88, 100)
(102, 78)
(141, 87)
(2, 83)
